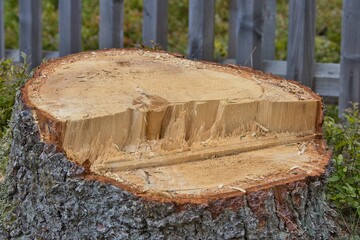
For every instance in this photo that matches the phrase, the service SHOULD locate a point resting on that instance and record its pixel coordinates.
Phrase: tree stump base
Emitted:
(133, 144)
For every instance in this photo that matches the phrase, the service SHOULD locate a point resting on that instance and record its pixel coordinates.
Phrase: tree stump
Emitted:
(134, 144)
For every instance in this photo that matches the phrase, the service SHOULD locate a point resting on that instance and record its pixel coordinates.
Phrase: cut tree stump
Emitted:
(120, 144)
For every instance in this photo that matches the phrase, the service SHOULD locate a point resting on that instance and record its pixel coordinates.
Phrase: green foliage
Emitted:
(11, 77)
(5, 142)
(344, 138)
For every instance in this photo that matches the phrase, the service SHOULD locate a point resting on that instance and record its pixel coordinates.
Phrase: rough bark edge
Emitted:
(50, 200)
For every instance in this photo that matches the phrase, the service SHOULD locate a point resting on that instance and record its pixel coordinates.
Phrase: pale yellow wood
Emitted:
(201, 154)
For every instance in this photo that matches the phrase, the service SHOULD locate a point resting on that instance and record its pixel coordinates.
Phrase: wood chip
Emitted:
(294, 167)
(297, 167)
(186, 189)
(206, 141)
(252, 179)
(117, 147)
(261, 127)
(106, 71)
(165, 194)
(145, 190)
(145, 175)
(238, 189)
(302, 148)
(308, 165)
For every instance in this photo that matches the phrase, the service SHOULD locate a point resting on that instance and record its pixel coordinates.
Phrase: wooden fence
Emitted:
(251, 38)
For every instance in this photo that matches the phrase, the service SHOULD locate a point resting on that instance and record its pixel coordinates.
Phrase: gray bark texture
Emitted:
(48, 198)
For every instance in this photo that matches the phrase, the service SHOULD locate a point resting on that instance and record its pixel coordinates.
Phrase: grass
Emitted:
(5, 142)
(343, 189)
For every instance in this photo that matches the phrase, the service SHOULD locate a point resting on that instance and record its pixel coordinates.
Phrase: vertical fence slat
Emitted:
(350, 55)
(111, 23)
(69, 26)
(249, 33)
(155, 23)
(30, 30)
(2, 30)
(268, 40)
(232, 29)
(201, 29)
(301, 41)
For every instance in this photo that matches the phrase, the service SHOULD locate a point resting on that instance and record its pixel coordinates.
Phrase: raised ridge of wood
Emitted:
(200, 154)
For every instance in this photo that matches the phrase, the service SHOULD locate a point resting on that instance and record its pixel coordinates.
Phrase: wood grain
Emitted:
(200, 155)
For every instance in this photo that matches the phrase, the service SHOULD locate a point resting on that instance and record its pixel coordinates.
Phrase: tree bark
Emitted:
(54, 197)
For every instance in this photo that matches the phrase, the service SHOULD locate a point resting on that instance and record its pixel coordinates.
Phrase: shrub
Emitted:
(343, 135)
(11, 78)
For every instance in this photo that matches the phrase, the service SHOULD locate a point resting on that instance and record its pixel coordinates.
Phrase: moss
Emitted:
(4, 206)
(4, 151)
(7, 206)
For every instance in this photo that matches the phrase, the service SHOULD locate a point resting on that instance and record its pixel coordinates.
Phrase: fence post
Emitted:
(350, 55)
(30, 31)
(249, 33)
(268, 37)
(301, 41)
(155, 23)
(201, 29)
(232, 29)
(69, 26)
(2, 30)
(111, 24)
